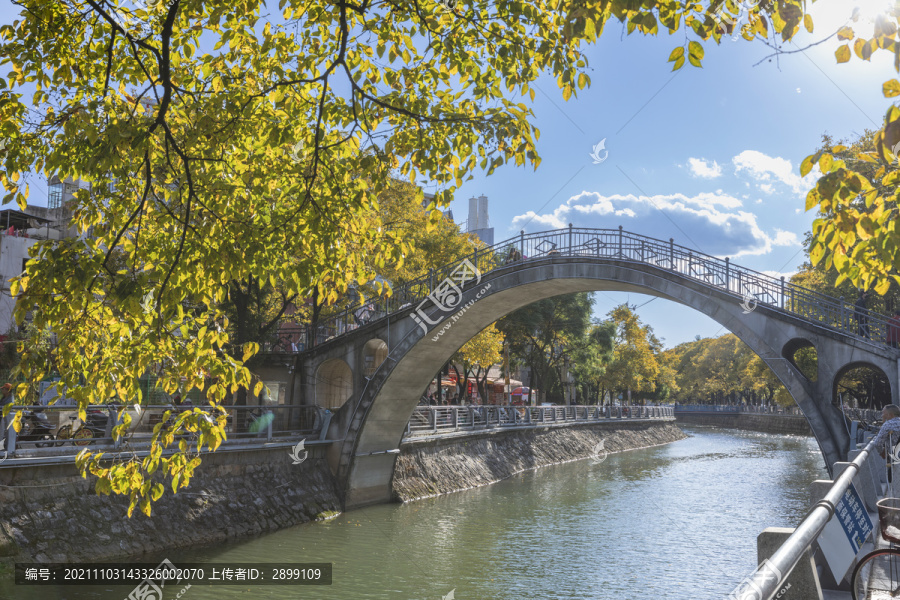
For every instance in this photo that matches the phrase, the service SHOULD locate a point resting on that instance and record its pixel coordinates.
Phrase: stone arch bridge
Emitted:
(377, 359)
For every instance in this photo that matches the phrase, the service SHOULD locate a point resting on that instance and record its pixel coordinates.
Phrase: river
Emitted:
(676, 521)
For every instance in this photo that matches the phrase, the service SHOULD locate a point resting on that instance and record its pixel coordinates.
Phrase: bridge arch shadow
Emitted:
(861, 384)
(802, 353)
(374, 353)
(333, 383)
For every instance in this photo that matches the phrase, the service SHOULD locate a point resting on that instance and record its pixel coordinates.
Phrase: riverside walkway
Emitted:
(450, 420)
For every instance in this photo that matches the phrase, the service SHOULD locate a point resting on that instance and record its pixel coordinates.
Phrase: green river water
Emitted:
(678, 521)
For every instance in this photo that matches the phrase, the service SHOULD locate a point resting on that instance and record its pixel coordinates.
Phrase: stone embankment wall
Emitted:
(439, 466)
(795, 425)
(50, 513)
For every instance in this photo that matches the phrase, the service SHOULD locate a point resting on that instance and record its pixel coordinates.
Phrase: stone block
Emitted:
(803, 582)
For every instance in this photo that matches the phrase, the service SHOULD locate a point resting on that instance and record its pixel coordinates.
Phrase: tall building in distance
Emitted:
(479, 222)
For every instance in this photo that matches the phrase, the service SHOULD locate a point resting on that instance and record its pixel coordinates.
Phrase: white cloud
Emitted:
(767, 188)
(700, 167)
(711, 223)
(768, 169)
(785, 238)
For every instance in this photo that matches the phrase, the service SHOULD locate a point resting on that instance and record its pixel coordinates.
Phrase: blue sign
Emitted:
(845, 533)
(853, 518)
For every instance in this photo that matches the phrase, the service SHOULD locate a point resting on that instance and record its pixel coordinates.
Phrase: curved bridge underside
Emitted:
(375, 417)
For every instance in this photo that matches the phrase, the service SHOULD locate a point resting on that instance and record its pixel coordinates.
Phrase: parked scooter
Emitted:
(36, 428)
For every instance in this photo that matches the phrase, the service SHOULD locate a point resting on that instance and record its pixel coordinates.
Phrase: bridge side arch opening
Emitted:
(374, 353)
(333, 383)
(802, 354)
(861, 385)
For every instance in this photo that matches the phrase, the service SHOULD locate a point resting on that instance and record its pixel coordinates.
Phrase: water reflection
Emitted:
(677, 521)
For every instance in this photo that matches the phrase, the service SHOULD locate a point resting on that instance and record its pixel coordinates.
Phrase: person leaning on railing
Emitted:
(891, 416)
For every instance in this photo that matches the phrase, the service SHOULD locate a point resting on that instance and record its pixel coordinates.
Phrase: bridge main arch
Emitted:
(368, 451)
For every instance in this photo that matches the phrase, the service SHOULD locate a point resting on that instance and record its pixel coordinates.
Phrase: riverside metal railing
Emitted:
(428, 420)
(612, 244)
(864, 415)
(853, 414)
(769, 578)
(738, 408)
(68, 433)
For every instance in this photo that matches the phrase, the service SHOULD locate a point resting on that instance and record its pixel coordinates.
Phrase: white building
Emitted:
(479, 223)
(18, 232)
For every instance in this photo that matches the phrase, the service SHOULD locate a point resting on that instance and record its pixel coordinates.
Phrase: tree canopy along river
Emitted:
(677, 521)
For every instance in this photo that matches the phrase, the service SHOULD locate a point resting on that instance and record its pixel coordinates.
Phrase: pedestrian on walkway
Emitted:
(862, 314)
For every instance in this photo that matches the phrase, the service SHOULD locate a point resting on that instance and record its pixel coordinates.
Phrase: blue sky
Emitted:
(709, 157)
(717, 150)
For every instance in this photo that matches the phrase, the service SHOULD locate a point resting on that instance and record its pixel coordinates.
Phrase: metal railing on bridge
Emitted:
(614, 244)
(429, 420)
(63, 432)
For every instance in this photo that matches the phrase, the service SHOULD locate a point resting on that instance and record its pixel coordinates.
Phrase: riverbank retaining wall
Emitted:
(430, 467)
(784, 424)
(51, 513)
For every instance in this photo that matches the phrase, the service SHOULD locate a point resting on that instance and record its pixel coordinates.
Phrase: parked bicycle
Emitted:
(93, 427)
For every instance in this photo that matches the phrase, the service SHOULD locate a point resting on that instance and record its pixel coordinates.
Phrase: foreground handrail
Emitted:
(769, 577)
